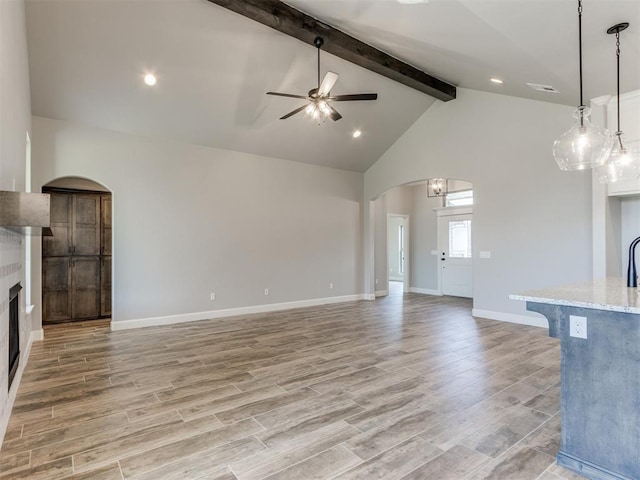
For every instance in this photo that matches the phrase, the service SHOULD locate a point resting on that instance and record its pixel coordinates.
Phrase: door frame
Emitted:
(406, 274)
(449, 212)
(48, 188)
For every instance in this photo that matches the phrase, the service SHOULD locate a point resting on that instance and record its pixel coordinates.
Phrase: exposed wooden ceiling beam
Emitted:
(288, 20)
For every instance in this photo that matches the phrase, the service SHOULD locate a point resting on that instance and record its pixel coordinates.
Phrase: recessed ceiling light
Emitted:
(497, 80)
(150, 79)
(357, 133)
(413, 1)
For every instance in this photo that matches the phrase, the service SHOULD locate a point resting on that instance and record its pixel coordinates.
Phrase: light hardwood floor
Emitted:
(406, 387)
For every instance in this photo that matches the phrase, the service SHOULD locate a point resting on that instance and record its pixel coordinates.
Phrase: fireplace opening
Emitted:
(14, 331)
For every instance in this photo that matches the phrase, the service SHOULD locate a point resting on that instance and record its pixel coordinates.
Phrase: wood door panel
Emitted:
(60, 208)
(56, 273)
(86, 224)
(56, 294)
(105, 290)
(85, 290)
(60, 243)
(105, 208)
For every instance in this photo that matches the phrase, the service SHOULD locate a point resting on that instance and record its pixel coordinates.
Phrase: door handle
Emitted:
(443, 259)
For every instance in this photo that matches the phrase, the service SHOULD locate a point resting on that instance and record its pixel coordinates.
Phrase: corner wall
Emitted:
(189, 221)
(533, 218)
(15, 118)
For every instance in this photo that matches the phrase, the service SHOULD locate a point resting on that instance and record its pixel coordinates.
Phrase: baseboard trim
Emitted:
(511, 318)
(230, 312)
(382, 293)
(34, 336)
(425, 291)
(587, 469)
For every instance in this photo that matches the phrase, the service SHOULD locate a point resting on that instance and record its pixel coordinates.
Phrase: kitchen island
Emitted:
(598, 325)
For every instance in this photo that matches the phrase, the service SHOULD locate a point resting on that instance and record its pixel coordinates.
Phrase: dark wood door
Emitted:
(61, 226)
(85, 287)
(56, 288)
(105, 291)
(76, 263)
(105, 209)
(105, 269)
(86, 225)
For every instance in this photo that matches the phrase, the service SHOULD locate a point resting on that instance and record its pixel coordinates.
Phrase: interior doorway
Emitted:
(455, 252)
(398, 249)
(76, 260)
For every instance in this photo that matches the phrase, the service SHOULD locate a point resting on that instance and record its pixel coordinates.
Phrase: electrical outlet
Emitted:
(266, 291)
(213, 296)
(577, 326)
(331, 285)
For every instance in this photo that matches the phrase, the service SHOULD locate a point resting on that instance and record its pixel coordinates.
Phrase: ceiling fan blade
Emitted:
(290, 114)
(287, 95)
(335, 116)
(356, 96)
(327, 84)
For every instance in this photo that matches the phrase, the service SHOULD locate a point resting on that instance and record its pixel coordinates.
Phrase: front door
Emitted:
(456, 267)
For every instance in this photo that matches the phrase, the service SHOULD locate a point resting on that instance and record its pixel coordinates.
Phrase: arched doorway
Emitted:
(76, 260)
(438, 261)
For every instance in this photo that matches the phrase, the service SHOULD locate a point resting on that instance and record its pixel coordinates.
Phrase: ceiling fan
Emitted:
(320, 98)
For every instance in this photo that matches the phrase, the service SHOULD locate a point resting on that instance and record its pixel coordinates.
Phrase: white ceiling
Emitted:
(88, 57)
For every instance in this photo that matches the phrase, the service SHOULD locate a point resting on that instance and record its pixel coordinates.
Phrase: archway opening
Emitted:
(422, 243)
(77, 259)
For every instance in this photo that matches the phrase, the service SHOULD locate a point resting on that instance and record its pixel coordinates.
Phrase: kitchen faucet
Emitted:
(632, 274)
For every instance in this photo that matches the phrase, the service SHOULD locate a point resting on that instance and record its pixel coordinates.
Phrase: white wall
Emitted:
(192, 220)
(396, 201)
(15, 111)
(424, 239)
(534, 218)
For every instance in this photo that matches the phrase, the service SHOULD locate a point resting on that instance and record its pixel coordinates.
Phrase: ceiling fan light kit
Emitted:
(319, 98)
(584, 145)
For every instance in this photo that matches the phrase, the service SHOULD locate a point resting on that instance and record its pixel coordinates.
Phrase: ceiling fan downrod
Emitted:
(319, 98)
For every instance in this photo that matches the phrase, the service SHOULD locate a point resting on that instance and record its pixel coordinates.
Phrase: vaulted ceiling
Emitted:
(88, 57)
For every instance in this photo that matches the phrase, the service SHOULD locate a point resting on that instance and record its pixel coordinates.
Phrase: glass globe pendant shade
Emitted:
(623, 164)
(584, 145)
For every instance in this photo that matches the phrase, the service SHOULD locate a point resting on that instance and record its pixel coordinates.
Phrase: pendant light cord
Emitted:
(580, 46)
(618, 133)
(318, 69)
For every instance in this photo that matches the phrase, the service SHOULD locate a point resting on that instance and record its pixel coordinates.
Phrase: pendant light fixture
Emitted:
(437, 187)
(584, 145)
(623, 163)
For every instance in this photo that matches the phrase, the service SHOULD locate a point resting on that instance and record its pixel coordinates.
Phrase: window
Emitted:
(459, 199)
(460, 239)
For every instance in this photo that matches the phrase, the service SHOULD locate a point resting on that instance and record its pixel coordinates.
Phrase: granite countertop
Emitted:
(604, 294)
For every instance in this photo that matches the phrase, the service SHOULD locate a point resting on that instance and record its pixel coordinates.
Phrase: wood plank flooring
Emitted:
(406, 387)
